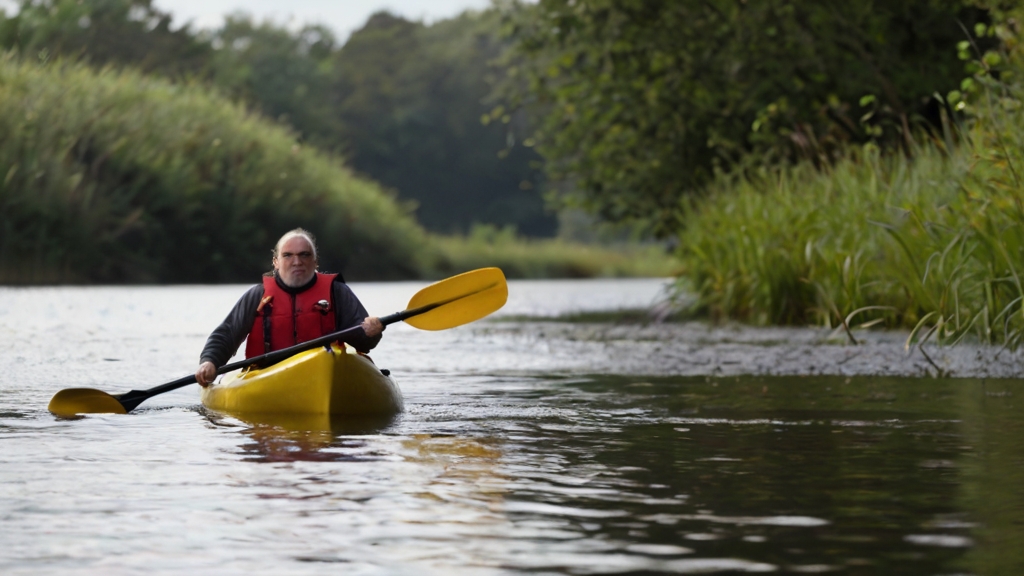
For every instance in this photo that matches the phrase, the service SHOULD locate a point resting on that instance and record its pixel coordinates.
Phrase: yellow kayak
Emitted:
(331, 381)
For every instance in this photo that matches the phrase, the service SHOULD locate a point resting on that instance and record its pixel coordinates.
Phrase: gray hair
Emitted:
(300, 232)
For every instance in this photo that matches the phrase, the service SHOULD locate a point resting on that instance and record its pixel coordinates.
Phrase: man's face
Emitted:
(295, 263)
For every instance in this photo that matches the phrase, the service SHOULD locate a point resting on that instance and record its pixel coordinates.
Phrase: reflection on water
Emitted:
(491, 474)
(300, 437)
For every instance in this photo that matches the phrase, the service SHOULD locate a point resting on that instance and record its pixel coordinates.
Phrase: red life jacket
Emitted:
(284, 319)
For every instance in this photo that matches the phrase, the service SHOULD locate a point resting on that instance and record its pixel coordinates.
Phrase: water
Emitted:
(511, 457)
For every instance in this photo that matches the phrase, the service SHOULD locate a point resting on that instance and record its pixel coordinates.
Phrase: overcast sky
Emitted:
(344, 16)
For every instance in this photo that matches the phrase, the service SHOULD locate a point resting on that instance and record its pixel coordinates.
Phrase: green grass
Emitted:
(535, 258)
(933, 243)
(113, 176)
(793, 246)
(627, 316)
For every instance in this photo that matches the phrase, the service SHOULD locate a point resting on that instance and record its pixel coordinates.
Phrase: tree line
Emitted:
(624, 108)
(400, 101)
(639, 104)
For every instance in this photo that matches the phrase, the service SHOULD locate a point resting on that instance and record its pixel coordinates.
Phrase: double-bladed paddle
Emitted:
(446, 304)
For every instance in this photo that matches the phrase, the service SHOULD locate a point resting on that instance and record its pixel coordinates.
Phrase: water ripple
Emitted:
(502, 467)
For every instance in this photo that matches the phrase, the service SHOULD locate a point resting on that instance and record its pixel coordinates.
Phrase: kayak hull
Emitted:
(334, 381)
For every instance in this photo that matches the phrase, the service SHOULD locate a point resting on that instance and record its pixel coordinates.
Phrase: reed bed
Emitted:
(112, 176)
(932, 242)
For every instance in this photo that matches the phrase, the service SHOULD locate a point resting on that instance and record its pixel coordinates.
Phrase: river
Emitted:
(527, 446)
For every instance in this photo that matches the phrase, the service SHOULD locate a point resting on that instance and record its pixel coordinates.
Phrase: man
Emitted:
(295, 304)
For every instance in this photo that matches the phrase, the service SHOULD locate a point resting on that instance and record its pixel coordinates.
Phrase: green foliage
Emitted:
(801, 245)
(642, 101)
(487, 245)
(402, 101)
(935, 243)
(409, 104)
(286, 75)
(118, 177)
(119, 32)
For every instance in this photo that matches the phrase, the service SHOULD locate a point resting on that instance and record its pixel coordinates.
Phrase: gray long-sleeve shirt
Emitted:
(226, 338)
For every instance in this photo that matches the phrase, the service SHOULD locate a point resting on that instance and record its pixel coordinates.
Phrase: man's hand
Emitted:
(206, 373)
(372, 326)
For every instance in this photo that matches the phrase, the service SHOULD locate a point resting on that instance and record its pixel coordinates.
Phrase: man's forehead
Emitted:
(296, 244)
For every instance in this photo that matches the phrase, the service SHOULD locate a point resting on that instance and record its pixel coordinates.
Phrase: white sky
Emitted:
(343, 16)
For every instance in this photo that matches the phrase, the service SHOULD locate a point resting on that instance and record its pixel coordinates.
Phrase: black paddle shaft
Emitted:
(131, 399)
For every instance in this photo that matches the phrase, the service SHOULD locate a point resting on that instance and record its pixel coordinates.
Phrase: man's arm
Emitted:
(226, 338)
(349, 312)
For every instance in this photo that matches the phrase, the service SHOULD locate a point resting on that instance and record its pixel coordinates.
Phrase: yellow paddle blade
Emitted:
(463, 298)
(73, 401)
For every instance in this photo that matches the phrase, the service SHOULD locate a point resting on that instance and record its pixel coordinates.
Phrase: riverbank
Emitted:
(573, 328)
(697, 348)
(516, 346)
(547, 258)
(114, 177)
(930, 239)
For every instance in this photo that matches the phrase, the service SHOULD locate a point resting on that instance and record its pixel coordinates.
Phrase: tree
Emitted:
(410, 99)
(287, 75)
(641, 101)
(119, 32)
(401, 100)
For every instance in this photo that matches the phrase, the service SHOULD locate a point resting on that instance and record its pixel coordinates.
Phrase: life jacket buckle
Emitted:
(324, 306)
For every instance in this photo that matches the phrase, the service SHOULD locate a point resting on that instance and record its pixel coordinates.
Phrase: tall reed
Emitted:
(934, 243)
(112, 176)
(799, 245)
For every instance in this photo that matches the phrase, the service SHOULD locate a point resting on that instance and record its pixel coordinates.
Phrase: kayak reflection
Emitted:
(450, 460)
(301, 437)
